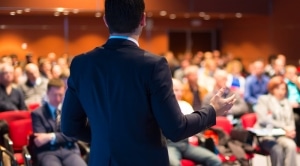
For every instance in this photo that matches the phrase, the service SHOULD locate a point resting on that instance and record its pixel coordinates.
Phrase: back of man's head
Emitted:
(123, 16)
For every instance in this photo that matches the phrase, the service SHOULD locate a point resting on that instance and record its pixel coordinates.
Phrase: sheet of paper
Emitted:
(267, 132)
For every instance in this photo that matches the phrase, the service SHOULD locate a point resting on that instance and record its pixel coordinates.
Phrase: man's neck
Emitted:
(131, 35)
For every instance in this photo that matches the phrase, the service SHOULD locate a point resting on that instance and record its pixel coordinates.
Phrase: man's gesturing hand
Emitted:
(221, 105)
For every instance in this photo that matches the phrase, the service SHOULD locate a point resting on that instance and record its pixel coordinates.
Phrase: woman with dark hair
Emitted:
(274, 110)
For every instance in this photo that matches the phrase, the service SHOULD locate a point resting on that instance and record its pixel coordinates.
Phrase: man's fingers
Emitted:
(230, 99)
(220, 92)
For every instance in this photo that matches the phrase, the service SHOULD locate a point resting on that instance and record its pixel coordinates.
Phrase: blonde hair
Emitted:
(231, 64)
(191, 69)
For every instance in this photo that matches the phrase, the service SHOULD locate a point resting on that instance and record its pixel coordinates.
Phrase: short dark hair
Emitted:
(56, 83)
(123, 16)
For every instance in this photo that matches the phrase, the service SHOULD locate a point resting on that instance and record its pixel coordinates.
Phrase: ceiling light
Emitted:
(56, 14)
(2, 26)
(27, 10)
(206, 17)
(19, 11)
(163, 13)
(66, 12)
(24, 46)
(75, 11)
(172, 16)
(202, 14)
(98, 14)
(238, 15)
(12, 13)
(60, 9)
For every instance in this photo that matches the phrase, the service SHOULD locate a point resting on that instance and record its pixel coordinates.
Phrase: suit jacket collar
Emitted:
(47, 114)
(117, 43)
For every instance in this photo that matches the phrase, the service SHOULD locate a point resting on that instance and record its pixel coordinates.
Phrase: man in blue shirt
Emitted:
(53, 148)
(256, 84)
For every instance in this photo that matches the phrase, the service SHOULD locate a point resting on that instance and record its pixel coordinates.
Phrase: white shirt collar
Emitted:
(124, 37)
(38, 81)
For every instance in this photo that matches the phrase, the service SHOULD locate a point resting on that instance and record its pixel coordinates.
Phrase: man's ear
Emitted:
(104, 20)
(143, 20)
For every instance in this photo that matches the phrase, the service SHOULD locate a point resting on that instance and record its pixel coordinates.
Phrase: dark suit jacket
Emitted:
(127, 96)
(42, 122)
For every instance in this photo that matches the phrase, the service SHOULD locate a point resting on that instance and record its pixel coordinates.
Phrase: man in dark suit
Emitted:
(120, 97)
(53, 148)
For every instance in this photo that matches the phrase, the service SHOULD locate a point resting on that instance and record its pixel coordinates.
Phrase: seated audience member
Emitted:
(10, 97)
(172, 61)
(235, 79)
(293, 85)
(192, 92)
(179, 73)
(277, 67)
(239, 107)
(269, 68)
(206, 73)
(52, 147)
(256, 84)
(19, 76)
(182, 149)
(45, 68)
(56, 71)
(274, 110)
(35, 87)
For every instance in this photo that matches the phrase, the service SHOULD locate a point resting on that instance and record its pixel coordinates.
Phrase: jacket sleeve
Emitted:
(73, 118)
(173, 123)
(38, 127)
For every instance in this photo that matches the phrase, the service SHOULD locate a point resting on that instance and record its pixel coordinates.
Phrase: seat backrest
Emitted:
(19, 131)
(10, 116)
(223, 123)
(248, 120)
(33, 106)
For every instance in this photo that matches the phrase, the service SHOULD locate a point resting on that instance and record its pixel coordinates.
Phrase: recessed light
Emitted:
(2, 26)
(66, 12)
(98, 14)
(24, 46)
(60, 9)
(206, 17)
(238, 15)
(172, 16)
(202, 14)
(27, 10)
(75, 11)
(56, 14)
(19, 11)
(163, 13)
(12, 13)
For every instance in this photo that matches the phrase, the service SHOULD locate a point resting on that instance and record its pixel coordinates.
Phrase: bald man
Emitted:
(35, 87)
